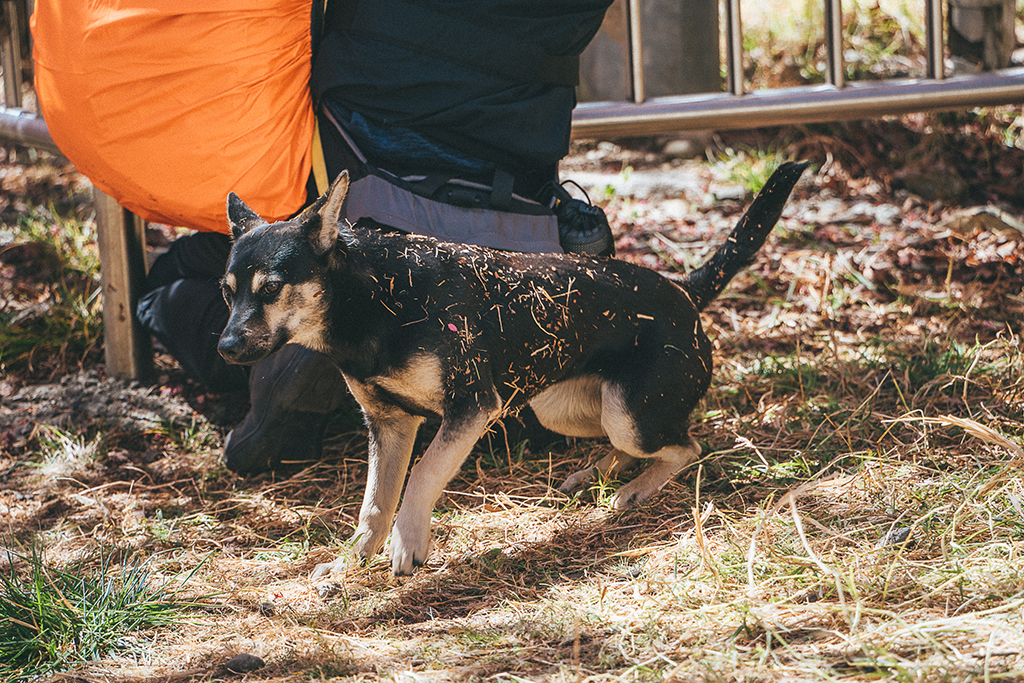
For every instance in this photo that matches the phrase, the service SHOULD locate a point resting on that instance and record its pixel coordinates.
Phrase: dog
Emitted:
(426, 329)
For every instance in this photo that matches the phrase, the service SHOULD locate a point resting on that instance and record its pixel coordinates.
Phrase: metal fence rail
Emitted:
(836, 100)
(802, 104)
(734, 108)
(24, 128)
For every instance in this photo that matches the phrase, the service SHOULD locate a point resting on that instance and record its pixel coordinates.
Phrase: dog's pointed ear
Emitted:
(335, 198)
(322, 228)
(241, 218)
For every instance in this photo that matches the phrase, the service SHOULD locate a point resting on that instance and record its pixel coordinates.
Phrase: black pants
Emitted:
(185, 311)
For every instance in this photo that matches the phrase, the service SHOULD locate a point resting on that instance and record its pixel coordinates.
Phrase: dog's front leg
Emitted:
(391, 446)
(392, 435)
(410, 539)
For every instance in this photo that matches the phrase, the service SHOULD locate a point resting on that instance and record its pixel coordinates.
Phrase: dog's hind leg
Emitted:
(608, 466)
(668, 462)
(410, 538)
(620, 424)
(573, 407)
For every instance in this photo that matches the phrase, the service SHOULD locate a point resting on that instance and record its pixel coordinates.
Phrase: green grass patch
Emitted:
(52, 619)
(747, 166)
(50, 304)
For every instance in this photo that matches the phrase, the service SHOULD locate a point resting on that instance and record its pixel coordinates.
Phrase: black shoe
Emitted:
(582, 227)
(292, 394)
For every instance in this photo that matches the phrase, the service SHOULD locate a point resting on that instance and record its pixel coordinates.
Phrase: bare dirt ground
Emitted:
(889, 295)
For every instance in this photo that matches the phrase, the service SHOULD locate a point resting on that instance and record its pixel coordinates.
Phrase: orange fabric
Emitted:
(168, 105)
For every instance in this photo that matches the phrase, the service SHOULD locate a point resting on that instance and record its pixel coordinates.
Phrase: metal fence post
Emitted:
(935, 44)
(835, 72)
(734, 47)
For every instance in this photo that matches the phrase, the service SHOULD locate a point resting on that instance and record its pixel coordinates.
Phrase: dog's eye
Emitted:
(271, 288)
(226, 291)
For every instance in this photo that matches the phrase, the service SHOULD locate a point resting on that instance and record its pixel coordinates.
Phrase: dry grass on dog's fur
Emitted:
(858, 514)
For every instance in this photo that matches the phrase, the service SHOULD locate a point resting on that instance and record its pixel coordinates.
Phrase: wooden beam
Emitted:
(121, 236)
(10, 52)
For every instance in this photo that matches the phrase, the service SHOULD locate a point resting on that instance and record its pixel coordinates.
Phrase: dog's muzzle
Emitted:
(232, 347)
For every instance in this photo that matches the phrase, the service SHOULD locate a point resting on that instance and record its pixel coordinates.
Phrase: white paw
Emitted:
(631, 495)
(622, 502)
(410, 544)
(365, 544)
(650, 481)
(367, 540)
(339, 565)
(578, 480)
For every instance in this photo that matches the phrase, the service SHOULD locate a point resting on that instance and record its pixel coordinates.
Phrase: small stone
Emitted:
(895, 536)
(689, 147)
(244, 663)
(935, 183)
(330, 589)
(267, 608)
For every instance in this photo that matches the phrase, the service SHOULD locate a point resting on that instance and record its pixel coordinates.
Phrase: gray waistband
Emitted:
(376, 198)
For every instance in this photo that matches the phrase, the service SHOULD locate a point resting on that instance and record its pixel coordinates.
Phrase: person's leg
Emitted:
(184, 310)
(292, 394)
(186, 316)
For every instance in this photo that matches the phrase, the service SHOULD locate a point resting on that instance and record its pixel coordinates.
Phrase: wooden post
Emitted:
(122, 243)
(10, 52)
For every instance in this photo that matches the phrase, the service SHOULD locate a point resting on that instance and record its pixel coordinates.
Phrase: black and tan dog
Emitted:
(421, 328)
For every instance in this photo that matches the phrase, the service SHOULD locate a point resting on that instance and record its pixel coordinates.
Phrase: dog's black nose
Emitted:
(230, 347)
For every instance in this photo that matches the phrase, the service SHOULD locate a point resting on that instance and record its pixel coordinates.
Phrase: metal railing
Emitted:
(17, 126)
(26, 129)
(833, 101)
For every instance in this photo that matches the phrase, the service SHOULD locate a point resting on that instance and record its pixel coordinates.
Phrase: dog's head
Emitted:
(276, 280)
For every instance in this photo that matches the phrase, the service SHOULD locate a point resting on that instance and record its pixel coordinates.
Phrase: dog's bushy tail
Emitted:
(738, 252)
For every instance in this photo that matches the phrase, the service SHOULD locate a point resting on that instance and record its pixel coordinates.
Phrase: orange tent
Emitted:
(168, 105)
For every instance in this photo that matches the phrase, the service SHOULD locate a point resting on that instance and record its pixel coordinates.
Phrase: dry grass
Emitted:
(761, 573)
(858, 514)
